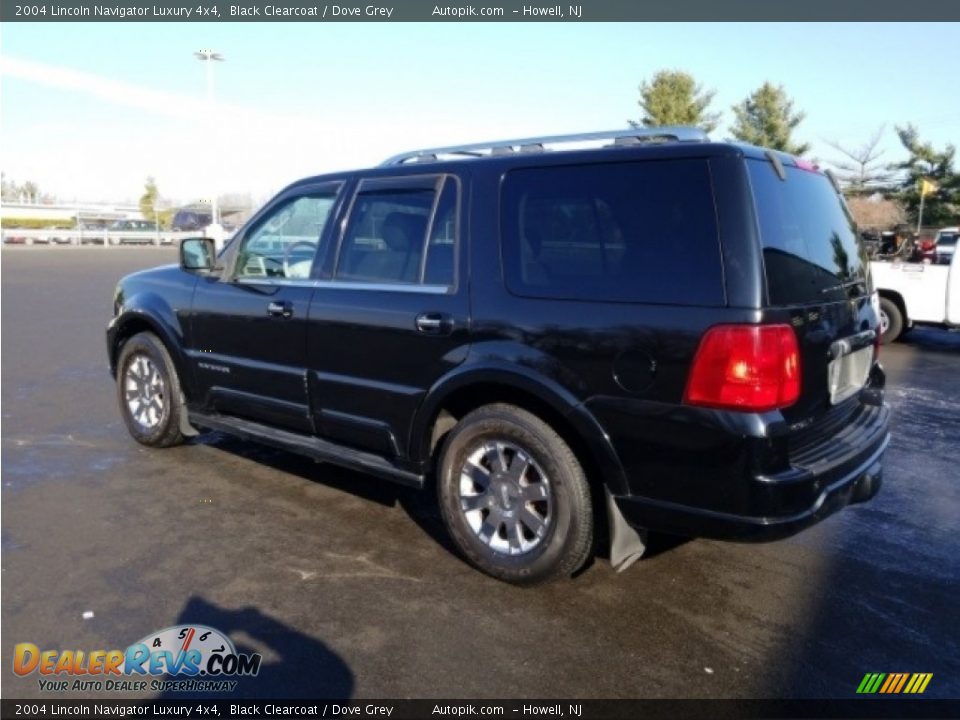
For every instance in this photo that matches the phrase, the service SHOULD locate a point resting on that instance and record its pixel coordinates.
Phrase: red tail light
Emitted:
(746, 367)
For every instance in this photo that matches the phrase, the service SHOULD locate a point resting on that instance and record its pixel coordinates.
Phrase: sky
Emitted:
(89, 110)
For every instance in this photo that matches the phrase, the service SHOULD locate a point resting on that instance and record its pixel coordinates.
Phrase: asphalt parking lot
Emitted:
(349, 588)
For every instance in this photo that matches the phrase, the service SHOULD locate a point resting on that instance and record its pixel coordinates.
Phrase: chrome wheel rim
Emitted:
(144, 391)
(884, 323)
(506, 498)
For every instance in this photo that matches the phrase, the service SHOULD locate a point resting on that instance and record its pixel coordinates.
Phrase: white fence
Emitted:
(23, 236)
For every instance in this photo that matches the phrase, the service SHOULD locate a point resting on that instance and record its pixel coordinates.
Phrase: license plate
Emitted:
(847, 374)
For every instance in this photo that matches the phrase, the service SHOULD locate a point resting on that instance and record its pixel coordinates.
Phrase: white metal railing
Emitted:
(107, 238)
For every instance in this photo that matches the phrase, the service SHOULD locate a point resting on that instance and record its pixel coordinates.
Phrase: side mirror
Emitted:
(197, 253)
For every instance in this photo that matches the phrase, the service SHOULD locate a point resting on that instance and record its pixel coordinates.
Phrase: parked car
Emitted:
(675, 334)
(141, 232)
(945, 244)
(62, 236)
(190, 220)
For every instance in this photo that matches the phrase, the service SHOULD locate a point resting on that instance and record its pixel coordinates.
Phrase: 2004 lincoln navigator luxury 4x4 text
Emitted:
(653, 333)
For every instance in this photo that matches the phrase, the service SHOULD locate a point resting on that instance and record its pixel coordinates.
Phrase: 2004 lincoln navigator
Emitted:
(655, 333)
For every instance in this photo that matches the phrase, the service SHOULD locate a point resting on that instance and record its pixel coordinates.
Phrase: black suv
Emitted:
(190, 220)
(659, 333)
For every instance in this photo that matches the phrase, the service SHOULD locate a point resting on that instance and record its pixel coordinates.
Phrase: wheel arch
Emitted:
(897, 299)
(137, 319)
(468, 389)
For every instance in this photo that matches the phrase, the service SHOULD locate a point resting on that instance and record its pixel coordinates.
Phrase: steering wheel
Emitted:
(288, 252)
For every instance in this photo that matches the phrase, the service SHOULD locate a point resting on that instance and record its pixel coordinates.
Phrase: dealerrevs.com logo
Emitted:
(183, 658)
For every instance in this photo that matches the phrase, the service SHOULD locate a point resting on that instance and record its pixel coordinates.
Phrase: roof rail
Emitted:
(620, 138)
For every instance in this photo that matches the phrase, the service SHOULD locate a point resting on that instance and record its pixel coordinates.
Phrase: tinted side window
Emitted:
(633, 232)
(441, 250)
(401, 233)
(284, 243)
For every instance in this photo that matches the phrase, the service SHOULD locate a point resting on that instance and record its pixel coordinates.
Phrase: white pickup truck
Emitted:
(916, 294)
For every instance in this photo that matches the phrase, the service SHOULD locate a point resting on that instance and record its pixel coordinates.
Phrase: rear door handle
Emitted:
(282, 309)
(434, 323)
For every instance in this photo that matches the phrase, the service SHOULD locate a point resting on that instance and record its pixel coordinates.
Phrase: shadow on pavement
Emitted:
(928, 338)
(420, 505)
(294, 665)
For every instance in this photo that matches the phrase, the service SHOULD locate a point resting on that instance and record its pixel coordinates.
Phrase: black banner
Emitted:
(479, 11)
(418, 709)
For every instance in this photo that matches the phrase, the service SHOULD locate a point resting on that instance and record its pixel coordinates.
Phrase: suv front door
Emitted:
(393, 316)
(248, 328)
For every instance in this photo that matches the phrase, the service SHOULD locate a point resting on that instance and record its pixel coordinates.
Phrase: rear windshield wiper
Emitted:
(845, 285)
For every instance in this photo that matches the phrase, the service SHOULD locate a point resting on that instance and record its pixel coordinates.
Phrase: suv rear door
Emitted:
(392, 317)
(817, 280)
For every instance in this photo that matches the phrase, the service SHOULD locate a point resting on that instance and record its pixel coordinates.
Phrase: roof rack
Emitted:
(633, 136)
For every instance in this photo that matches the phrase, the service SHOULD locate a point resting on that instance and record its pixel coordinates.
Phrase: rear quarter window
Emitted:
(810, 247)
(628, 232)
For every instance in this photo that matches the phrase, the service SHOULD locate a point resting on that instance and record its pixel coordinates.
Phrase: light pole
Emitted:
(209, 57)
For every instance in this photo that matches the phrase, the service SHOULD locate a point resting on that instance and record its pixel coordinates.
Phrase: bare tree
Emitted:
(860, 171)
(30, 191)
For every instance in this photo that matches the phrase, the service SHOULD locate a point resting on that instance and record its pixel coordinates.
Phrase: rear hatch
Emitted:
(818, 282)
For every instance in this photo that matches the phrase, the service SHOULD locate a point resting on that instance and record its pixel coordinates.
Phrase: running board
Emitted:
(310, 446)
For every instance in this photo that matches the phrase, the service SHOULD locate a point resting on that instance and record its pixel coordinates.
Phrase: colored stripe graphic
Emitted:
(922, 682)
(894, 683)
(892, 679)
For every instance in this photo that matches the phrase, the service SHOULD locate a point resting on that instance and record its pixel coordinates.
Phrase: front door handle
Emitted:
(434, 323)
(282, 309)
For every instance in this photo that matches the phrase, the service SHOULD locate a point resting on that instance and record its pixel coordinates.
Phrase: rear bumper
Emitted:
(848, 470)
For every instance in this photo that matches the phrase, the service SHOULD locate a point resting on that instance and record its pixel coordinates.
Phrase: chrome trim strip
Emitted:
(384, 287)
(348, 285)
(276, 282)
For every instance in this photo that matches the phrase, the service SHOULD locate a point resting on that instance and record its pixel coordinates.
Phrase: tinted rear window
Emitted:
(810, 246)
(946, 239)
(633, 232)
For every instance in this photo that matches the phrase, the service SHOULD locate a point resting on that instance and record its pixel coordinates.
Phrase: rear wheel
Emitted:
(148, 391)
(514, 496)
(891, 321)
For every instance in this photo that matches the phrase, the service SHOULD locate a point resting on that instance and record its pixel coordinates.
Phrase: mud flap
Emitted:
(186, 429)
(627, 545)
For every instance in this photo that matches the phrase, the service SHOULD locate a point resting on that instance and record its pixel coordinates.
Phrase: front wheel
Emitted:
(514, 496)
(149, 392)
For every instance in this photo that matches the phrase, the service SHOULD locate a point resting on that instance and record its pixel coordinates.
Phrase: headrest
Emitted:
(401, 229)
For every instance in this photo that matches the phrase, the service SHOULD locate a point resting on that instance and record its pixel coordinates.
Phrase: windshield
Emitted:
(810, 246)
(949, 239)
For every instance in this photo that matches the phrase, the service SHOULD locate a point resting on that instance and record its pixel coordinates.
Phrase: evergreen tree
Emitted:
(766, 118)
(941, 205)
(673, 97)
(149, 199)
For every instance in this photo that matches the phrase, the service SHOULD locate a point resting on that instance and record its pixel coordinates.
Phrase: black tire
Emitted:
(160, 426)
(547, 466)
(894, 321)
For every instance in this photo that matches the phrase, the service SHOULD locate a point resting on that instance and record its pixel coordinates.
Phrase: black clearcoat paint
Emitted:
(349, 365)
